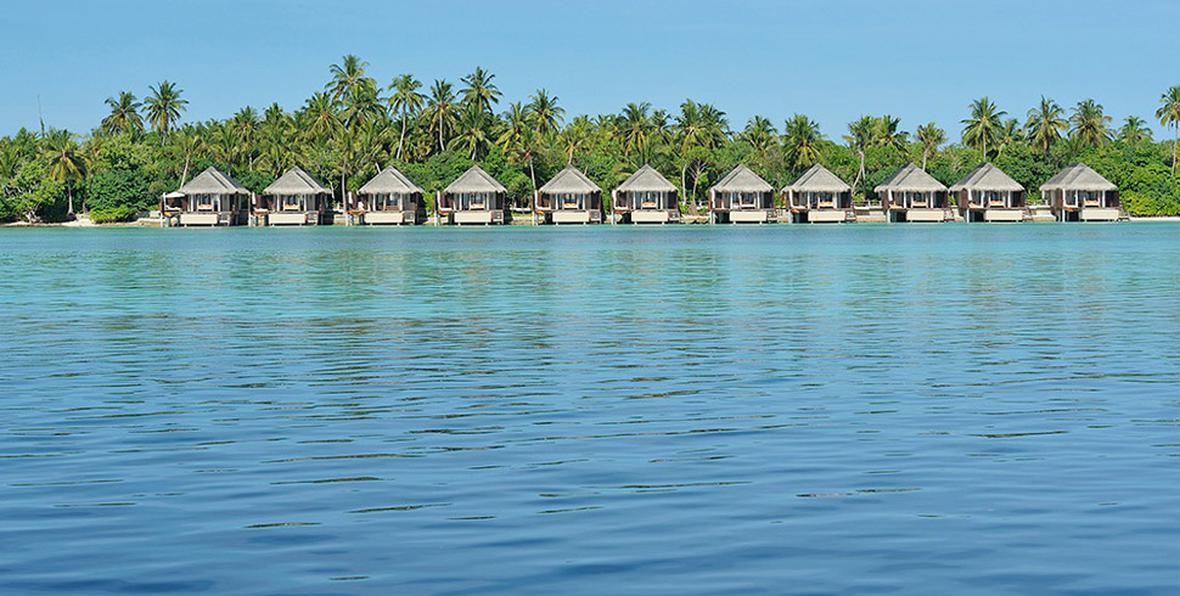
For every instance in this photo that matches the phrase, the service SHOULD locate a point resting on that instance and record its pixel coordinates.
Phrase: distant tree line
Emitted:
(356, 125)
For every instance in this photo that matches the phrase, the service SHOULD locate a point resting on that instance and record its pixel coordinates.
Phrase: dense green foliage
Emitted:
(355, 126)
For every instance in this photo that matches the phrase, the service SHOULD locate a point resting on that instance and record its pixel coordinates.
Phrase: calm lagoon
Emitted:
(946, 409)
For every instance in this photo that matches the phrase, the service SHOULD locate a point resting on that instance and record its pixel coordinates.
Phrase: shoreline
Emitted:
(155, 223)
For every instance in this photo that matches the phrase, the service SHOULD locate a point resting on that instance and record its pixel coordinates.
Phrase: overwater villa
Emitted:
(388, 198)
(646, 197)
(1078, 193)
(473, 198)
(819, 196)
(209, 199)
(570, 197)
(295, 199)
(742, 196)
(912, 195)
(988, 194)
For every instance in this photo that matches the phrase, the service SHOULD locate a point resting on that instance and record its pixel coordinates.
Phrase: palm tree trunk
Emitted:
(401, 140)
(1175, 139)
(684, 182)
(184, 175)
(70, 199)
(925, 153)
(860, 171)
(533, 175)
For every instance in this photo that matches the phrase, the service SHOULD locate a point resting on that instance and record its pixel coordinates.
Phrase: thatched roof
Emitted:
(819, 179)
(987, 177)
(646, 179)
(475, 180)
(296, 182)
(212, 182)
(389, 181)
(1078, 177)
(570, 180)
(742, 179)
(910, 179)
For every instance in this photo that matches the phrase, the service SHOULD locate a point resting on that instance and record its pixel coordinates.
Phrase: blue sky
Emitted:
(921, 60)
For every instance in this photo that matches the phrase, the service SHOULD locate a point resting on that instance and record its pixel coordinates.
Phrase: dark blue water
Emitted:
(944, 409)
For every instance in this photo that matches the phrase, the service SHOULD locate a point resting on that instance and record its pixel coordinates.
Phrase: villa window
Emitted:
(473, 200)
(387, 202)
(570, 201)
(292, 203)
(204, 202)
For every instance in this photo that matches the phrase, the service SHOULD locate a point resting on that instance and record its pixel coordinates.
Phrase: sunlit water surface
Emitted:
(941, 409)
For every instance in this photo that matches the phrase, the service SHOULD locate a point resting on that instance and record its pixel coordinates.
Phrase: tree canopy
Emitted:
(355, 125)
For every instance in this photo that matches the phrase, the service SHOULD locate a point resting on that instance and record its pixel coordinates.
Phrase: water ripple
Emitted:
(947, 409)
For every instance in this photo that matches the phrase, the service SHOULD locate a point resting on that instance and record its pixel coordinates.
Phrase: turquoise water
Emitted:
(943, 409)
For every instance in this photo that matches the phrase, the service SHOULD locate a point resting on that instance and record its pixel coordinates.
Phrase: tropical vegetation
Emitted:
(355, 125)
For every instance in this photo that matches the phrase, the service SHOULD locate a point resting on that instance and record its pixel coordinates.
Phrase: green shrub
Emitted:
(113, 214)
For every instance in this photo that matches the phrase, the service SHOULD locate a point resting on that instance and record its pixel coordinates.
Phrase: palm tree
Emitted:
(66, 164)
(689, 128)
(888, 134)
(441, 110)
(931, 137)
(124, 116)
(637, 128)
(164, 106)
(714, 126)
(861, 134)
(1045, 124)
(1010, 134)
(1134, 131)
(1089, 124)
(575, 137)
(322, 119)
(473, 124)
(226, 144)
(984, 125)
(545, 112)
(275, 155)
(480, 91)
(346, 75)
(519, 137)
(362, 104)
(1169, 115)
(407, 102)
(802, 137)
(190, 143)
(760, 134)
